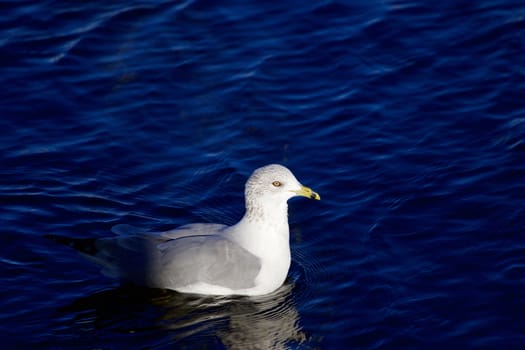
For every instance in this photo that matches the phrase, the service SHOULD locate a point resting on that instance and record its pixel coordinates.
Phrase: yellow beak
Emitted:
(308, 193)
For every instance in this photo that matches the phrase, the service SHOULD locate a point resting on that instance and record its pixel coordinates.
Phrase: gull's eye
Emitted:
(276, 183)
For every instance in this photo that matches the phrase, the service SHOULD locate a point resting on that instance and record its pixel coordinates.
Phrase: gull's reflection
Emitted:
(265, 322)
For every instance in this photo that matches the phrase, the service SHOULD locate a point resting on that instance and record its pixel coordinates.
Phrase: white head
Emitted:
(270, 187)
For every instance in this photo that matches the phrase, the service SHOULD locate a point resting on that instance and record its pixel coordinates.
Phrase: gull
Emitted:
(251, 257)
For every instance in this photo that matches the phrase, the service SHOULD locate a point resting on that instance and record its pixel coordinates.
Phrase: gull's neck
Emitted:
(266, 213)
(263, 227)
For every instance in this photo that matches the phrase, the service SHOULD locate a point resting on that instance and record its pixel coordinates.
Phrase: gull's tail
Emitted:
(98, 250)
(83, 245)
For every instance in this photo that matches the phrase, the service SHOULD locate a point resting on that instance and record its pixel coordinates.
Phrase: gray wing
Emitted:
(158, 261)
(210, 259)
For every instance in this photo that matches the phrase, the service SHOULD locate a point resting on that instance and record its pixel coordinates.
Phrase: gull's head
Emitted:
(274, 184)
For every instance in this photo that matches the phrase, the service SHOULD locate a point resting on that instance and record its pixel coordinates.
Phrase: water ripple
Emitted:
(406, 116)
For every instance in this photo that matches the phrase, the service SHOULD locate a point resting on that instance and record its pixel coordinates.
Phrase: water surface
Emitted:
(407, 117)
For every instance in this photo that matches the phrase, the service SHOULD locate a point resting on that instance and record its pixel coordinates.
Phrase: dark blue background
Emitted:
(407, 117)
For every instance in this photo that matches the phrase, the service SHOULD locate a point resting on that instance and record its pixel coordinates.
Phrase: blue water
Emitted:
(408, 117)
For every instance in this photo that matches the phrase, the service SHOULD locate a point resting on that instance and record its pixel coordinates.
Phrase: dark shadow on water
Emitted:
(156, 318)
